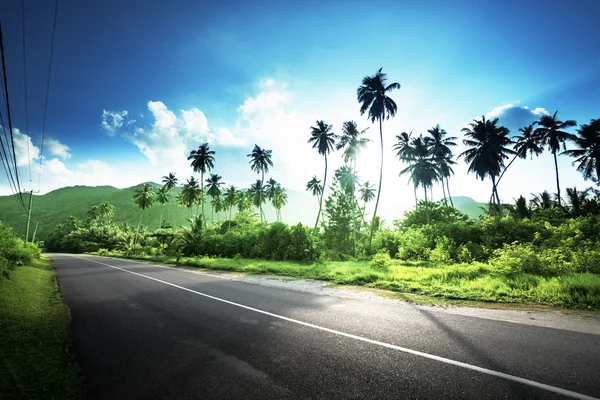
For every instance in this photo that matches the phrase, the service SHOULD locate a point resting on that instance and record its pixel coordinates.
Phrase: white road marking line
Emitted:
(487, 371)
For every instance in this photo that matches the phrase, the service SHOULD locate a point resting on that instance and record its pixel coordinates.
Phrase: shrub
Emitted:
(381, 261)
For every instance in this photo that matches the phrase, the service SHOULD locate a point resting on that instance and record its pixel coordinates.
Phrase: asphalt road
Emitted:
(146, 332)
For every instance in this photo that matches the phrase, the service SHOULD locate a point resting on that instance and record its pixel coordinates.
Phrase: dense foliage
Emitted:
(14, 251)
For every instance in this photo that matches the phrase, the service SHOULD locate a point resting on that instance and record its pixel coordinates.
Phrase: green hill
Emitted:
(54, 207)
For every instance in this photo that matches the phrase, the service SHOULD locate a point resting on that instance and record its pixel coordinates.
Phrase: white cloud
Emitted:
(113, 121)
(57, 148)
(25, 151)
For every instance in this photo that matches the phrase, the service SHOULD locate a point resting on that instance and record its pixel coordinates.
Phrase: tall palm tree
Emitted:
(314, 187)
(351, 142)
(587, 141)
(169, 181)
(372, 95)
(143, 198)
(525, 143)
(217, 204)
(93, 213)
(279, 200)
(270, 188)
(257, 193)
(542, 201)
(260, 161)
(162, 198)
(322, 139)
(489, 147)
(422, 167)
(404, 151)
(367, 194)
(551, 132)
(191, 194)
(442, 153)
(231, 194)
(203, 160)
(348, 181)
(213, 187)
(243, 201)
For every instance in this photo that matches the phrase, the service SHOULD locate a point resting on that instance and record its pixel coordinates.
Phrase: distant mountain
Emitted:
(469, 206)
(54, 207)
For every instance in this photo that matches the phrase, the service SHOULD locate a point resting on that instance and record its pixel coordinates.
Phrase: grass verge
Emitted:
(34, 359)
(424, 283)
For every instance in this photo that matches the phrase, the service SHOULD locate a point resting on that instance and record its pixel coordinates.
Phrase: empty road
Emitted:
(146, 332)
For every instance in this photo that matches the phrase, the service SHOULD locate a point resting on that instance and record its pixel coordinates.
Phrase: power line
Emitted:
(25, 84)
(47, 91)
(10, 126)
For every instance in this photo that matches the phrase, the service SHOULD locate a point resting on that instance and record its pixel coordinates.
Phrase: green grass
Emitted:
(425, 282)
(34, 358)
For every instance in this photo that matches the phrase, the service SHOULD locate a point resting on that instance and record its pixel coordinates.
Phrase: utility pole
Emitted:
(29, 214)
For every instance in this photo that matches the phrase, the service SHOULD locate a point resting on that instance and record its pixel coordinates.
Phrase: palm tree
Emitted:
(351, 142)
(542, 201)
(373, 97)
(270, 188)
(169, 181)
(520, 209)
(191, 194)
(367, 194)
(93, 213)
(587, 141)
(322, 139)
(143, 198)
(202, 160)
(243, 202)
(348, 181)
(422, 165)
(106, 210)
(577, 200)
(162, 198)
(443, 155)
(230, 200)
(314, 187)
(217, 204)
(488, 149)
(279, 200)
(213, 186)
(404, 151)
(260, 161)
(552, 133)
(257, 194)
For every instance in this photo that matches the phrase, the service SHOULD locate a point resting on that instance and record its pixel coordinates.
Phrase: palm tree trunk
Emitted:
(380, 179)
(444, 192)
(557, 181)
(138, 228)
(431, 192)
(363, 213)
(322, 194)
(449, 196)
(161, 215)
(202, 189)
(416, 199)
(505, 168)
(426, 204)
(230, 217)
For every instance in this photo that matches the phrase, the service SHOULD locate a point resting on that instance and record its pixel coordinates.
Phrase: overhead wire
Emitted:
(25, 87)
(47, 91)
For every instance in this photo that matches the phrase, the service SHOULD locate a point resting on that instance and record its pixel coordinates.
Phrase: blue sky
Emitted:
(239, 73)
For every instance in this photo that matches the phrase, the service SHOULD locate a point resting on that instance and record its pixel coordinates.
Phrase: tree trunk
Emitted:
(162, 209)
(426, 204)
(322, 194)
(260, 196)
(380, 179)
(416, 199)
(444, 193)
(449, 196)
(138, 228)
(230, 217)
(557, 181)
(202, 189)
(363, 213)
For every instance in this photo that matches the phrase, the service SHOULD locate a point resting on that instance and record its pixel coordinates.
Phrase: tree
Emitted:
(243, 202)
(270, 188)
(404, 151)
(373, 97)
(520, 210)
(577, 200)
(170, 181)
(338, 207)
(213, 185)
(542, 201)
(440, 149)
(260, 161)
(488, 144)
(106, 211)
(217, 204)
(162, 198)
(279, 200)
(348, 180)
(367, 194)
(422, 168)
(202, 161)
(190, 194)
(322, 139)
(143, 198)
(257, 193)
(551, 133)
(587, 153)
(230, 200)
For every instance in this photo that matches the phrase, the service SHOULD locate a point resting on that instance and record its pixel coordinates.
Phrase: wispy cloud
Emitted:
(57, 148)
(113, 121)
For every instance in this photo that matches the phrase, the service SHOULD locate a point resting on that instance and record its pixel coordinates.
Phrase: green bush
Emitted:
(381, 261)
(14, 251)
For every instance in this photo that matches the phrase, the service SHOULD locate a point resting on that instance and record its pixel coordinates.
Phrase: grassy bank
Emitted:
(34, 358)
(473, 282)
